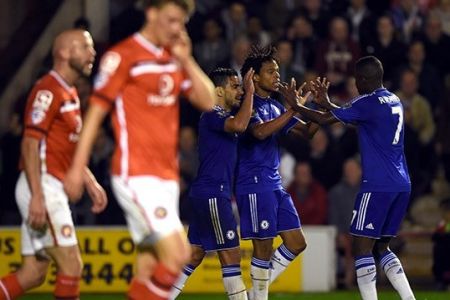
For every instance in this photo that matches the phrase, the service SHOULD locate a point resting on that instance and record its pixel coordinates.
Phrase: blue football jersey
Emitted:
(218, 156)
(379, 117)
(259, 160)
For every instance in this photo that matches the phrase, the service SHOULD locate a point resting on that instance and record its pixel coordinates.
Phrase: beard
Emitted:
(83, 70)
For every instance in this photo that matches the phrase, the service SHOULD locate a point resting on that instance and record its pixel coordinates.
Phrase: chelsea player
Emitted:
(213, 227)
(265, 208)
(384, 195)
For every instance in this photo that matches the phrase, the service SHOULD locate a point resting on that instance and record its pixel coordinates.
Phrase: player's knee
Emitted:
(297, 247)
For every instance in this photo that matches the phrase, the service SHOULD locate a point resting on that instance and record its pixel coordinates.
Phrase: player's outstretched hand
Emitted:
(249, 87)
(294, 96)
(74, 185)
(319, 88)
(98, 196)
(182, 48)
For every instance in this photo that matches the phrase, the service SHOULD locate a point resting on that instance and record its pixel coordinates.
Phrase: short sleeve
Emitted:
(353, 113)
(42, 108)
(214, 120)
(257, 115)
(112, 75)
(291, 124)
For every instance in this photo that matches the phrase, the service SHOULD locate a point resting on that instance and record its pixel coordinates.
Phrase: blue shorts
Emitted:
(213, 226)
(264, 215)
(378, 214)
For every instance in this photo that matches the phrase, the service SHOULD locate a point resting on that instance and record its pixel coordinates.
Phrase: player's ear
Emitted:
(255, 77)
(220, 91)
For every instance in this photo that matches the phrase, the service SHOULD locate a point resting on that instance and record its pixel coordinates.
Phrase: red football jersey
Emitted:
(52, 115)
(142, 83)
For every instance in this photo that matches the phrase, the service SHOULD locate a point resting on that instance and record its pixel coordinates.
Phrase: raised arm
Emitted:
(239, 122)
(202, 95)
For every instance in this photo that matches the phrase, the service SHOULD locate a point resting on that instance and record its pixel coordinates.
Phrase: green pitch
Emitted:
(423, 295)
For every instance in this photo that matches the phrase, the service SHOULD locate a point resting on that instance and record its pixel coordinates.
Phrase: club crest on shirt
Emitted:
(66, 231)
(160, 212)
(41, 104)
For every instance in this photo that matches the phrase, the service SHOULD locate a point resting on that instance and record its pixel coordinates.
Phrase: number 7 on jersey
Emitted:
(397, 110)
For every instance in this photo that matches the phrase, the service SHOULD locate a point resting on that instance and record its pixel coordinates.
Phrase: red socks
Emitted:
(10, 287)
(67, 287)
(157, 288)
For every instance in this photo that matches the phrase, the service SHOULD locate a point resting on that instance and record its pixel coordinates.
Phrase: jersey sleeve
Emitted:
(256, 118)
(353, 113)
(113, 74)
(291, 124)
(215, 120)
(42, 108)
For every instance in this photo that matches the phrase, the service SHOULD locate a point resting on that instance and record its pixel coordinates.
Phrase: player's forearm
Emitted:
(264, 130)
(315, 116)
(93, 120)
(240, 122)
(32, 164)
(203, 95)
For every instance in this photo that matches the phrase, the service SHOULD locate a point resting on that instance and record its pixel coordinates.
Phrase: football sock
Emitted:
(179, 284)
(280, 260)
(10, 287)
(233, 283)
(67, 287)
(366, 274)
(259, 272)
(396, 275)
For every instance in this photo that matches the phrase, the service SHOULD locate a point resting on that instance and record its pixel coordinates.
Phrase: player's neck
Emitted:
(221, 103)
(69, 76)
(149, 35)
(262, 93)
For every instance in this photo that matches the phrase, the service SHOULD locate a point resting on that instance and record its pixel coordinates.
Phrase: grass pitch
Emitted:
(354, 295)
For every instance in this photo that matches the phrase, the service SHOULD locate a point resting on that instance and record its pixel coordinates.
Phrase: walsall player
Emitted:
(265, 208)
(140, 80)
(52, 126)
(384, 195)
(213, 227)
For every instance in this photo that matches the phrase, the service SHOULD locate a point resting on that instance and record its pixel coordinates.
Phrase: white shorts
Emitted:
(60, 231)
(150, 205)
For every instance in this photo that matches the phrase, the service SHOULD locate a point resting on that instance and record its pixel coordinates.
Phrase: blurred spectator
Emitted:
(188, 154)
(239, 52)
(235, 20)
(443, 129)
(309, 196)
(336, 56)
(213, 49)
(317, 16)
(256, 33)
(417, 111)
(344, 140)
(437, 46)
(387, 48)
(284, 56)
(82, 23)
(325, 162)
(442, 11)
(362, 22)
(430, 85)
(408, 19)
(278, 11)
(300, 33)
(441, 248)
(341, 199)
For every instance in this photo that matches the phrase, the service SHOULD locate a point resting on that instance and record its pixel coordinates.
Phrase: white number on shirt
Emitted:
(397, 110)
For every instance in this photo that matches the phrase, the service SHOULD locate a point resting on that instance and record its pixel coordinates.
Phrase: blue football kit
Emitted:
(385, 188)
(213, 226)
(265, 208)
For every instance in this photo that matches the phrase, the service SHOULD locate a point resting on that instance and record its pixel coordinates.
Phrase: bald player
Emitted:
(52, 126)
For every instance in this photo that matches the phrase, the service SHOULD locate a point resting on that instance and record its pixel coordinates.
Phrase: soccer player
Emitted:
(52, 125)
(384, 195)
(213, 227)
(265, 208)
(140, 79)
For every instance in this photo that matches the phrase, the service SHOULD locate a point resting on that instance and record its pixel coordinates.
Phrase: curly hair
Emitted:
(256, 57)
